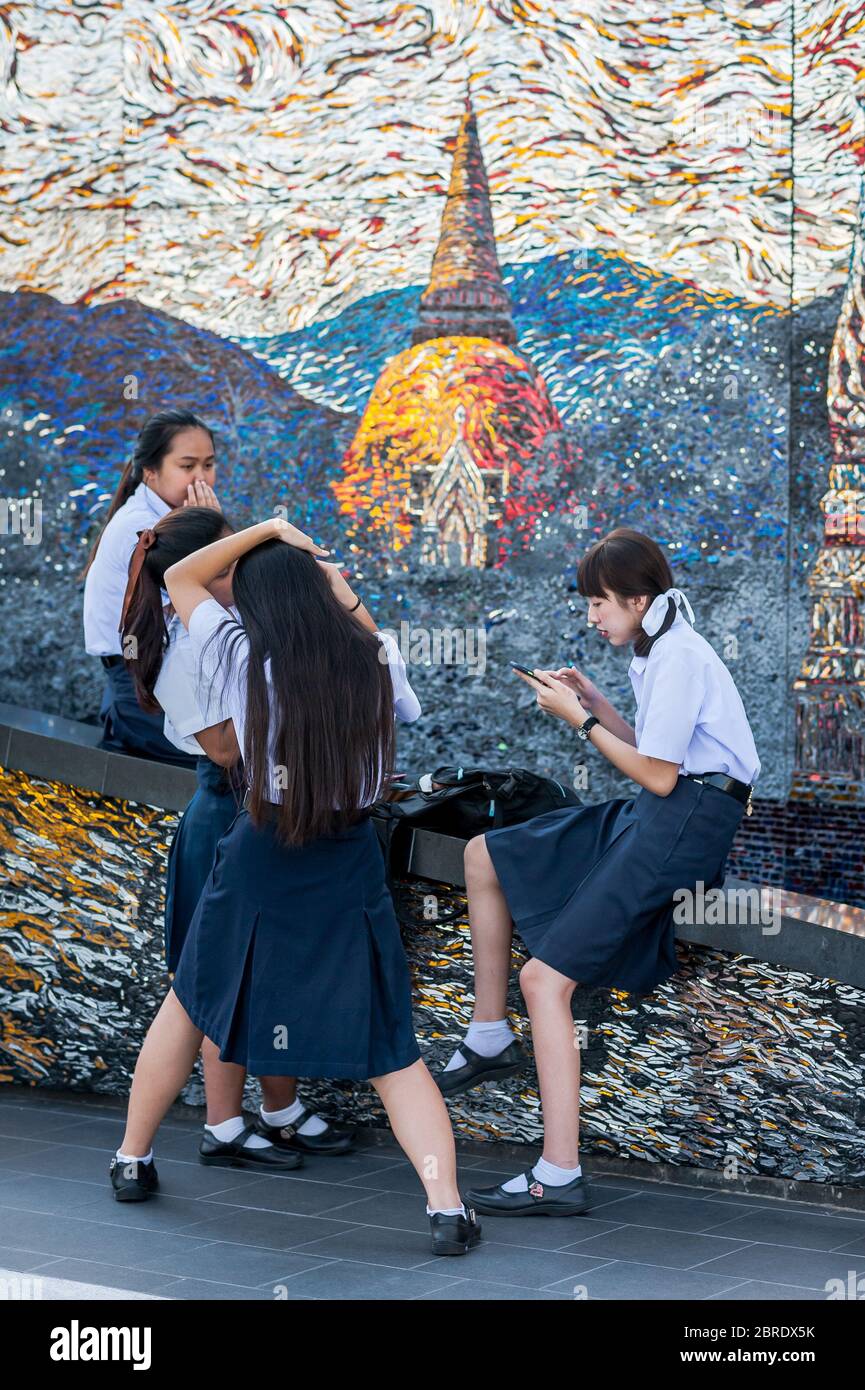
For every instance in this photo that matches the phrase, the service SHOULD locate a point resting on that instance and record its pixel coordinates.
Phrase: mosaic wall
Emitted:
(461, 284)
(730, 1060)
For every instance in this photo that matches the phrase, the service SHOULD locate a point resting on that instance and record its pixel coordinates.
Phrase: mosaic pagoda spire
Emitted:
(466, 296)
(830, 706)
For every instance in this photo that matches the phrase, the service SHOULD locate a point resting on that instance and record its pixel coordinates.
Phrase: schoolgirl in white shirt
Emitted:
(162, 666)
(590, 889)
(173, 465)
(293, 963)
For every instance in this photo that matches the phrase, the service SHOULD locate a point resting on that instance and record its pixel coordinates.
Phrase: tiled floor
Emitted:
(354, 1227)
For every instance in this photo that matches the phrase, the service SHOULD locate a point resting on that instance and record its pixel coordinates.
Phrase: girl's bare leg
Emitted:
(224, 1082)
(548, 999)
(163, 1068)
(420, 1122)
(492, 930)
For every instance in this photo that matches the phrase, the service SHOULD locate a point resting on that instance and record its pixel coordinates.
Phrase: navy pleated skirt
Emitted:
(294, 964)
(190, 857)
(590, 888)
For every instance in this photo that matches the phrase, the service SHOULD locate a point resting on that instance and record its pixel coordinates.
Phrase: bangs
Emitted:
(593, 576)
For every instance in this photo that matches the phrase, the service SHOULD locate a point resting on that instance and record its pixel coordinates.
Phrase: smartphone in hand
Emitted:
(523, 669)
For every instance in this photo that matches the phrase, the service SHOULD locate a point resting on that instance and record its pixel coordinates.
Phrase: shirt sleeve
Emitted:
(674, 688)
(218, 686)
(405, 703)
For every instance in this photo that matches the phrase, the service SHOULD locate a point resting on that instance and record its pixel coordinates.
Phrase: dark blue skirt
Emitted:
(590, 888)
(293, 964)
(190, 857)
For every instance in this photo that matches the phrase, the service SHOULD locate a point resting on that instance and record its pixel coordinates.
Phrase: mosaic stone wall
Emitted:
(633, 232)
(731, 1060)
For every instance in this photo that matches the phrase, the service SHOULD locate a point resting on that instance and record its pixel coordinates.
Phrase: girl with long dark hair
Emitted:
(173, 464)
(162, 666)
(591, 889)
(293, 963)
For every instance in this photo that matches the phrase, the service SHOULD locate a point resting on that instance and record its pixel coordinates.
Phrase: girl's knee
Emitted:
(538, 980)
(476, 859)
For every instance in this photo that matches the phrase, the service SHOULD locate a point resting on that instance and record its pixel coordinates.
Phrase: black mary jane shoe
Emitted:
(478, 1069)
(454, 1235)
(132, 1179)
(336, 1139)
(571, 1199)
(232, 1154)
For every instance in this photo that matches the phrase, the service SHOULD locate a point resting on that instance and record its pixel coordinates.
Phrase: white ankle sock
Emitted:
(131, 1158)
(446, 1211)
(487, 1039)
(546, 1173)
(314, 1125)
(227, 1130)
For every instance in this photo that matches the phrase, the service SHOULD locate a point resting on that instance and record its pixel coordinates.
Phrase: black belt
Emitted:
(731, 785)
(111, 660)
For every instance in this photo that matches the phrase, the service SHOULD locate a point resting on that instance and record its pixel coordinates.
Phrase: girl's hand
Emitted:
(339, 584)
(587, 693)
(201, 494)
(556, 697)
(284, 531)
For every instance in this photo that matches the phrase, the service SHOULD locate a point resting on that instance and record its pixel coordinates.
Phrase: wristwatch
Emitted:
(586, 726)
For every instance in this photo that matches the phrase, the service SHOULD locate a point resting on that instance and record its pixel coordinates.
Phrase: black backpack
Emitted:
(462, 802)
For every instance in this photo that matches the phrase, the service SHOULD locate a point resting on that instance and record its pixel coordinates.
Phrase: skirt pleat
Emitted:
(294, 964)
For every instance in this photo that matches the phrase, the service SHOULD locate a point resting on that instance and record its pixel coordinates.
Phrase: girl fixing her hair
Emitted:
(162, 667)
(590, 889)
(293, 963)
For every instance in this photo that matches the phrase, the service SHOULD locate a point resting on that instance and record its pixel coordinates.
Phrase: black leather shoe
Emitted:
(572, 1199)
(479, 1069)
(454, 1235)
(233, 1154)
(336, 1139)
(132, 1180)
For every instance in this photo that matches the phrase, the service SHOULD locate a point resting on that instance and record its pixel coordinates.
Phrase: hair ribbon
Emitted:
(146, 539)
(658, 608)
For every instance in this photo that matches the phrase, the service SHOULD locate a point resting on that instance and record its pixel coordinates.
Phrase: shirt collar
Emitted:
(638, 663)
(150, 499)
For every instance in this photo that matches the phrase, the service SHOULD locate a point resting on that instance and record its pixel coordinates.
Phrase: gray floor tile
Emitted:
(111, 1276)
(805, 1269)
(104, 1242)
(289, 1194)
(237, 1264)
(357, 1280)
(269, 1230)
(160, 1213)
(523, 1267)
(20, 1151)
(544, 1232)
(652, 1246)
(374, 1245)
(622, 1280)
(23, 1260)
(39, 1193)
(475, 1290)
(668, 1213)
(757, 1291)
(806, 1232)
(200, 1289)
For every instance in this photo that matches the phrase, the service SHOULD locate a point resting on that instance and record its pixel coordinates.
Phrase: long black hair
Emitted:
(333, 722)
(153, 443)
(145, 634)
(627, 563)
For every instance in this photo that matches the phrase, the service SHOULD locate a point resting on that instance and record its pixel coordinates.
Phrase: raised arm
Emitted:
(187, 581)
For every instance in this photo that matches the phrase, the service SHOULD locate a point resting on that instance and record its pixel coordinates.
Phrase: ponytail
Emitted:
(144, 633)
(153, 442)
